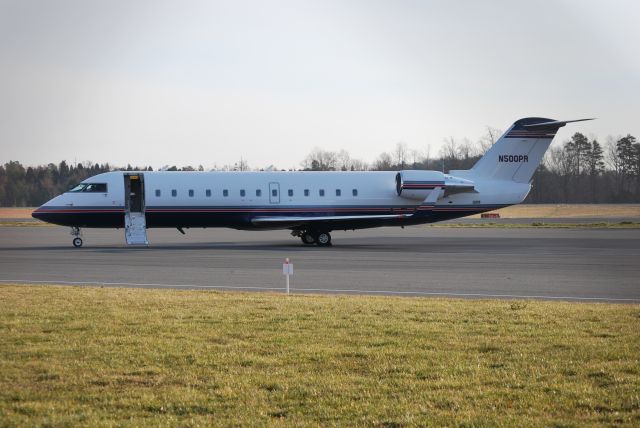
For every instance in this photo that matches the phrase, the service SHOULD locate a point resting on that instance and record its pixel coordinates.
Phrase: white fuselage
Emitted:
(311, 204)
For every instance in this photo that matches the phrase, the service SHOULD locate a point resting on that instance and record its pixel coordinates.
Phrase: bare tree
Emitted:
(450, 149)
(489, 138)
(320, 160)
(343, 160)
(401, 153)
(384, 162)
(466, 150)
(358, 165)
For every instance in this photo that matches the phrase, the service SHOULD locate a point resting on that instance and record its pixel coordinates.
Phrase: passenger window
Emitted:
(274, 192)
(225, 193)
(355, 192)
(321, 192)
(258, 192)
(208, 193)
(242, 193)
(174, 193)
(191, 193)
(306, 192)
(157, 193)
(338, 192)
(290, 192)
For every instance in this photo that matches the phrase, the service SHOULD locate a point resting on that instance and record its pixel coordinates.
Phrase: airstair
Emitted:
(135, 228)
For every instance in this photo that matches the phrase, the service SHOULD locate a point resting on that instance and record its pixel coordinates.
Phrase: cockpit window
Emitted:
(79, 188)
(96, 188)
(90, 188)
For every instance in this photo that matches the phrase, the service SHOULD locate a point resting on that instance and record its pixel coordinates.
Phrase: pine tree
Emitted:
(625, 151)
(578, 149)
(595, 159)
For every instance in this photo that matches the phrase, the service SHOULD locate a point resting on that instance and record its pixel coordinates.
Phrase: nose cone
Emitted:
(46, 211)
(38, 215)
(41, 214)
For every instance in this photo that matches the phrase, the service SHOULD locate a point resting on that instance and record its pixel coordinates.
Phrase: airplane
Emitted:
(310, 204)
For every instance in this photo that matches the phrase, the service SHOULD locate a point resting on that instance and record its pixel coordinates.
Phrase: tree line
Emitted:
(579, 170)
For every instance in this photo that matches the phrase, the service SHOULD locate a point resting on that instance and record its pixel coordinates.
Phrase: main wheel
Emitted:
(308, 238)
(323, 239)
(77, 242)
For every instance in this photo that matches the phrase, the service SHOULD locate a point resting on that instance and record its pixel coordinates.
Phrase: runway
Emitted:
(568, 264)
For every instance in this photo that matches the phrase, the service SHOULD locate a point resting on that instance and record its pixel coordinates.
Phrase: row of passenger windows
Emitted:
(243, 193)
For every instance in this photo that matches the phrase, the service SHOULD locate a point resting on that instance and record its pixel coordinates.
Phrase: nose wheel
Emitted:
(77, 240)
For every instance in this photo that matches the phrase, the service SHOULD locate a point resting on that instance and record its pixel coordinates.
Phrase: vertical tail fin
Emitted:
(517, 154)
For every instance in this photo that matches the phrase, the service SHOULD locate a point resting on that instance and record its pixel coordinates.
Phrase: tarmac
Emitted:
(565, 264)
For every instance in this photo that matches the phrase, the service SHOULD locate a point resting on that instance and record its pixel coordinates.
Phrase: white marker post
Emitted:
(287, 269)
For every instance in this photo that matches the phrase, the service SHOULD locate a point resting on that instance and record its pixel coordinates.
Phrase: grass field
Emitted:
(94, 356)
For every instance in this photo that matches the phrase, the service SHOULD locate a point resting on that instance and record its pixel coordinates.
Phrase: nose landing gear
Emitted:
(77, 241)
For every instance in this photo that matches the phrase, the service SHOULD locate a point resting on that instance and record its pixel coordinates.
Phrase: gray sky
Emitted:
(206, 82)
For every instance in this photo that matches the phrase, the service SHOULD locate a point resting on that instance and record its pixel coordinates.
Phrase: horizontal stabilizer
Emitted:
(554, 123)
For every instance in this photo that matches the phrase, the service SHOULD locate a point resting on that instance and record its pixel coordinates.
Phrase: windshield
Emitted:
(78, 188)
(90, 188)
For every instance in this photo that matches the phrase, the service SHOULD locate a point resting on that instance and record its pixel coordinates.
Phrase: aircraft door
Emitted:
(134, 193)
(274, 193)
(135, 223)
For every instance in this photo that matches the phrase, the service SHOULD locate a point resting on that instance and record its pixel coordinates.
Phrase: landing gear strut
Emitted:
(77, 241)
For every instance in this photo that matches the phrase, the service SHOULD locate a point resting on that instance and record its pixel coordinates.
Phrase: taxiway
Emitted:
(571, 264)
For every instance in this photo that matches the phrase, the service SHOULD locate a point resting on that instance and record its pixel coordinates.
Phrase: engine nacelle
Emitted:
(418, 185)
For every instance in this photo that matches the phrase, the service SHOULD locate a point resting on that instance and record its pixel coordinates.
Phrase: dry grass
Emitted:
(540, 225)
(16, 213)
(105, 357)
(569, 211)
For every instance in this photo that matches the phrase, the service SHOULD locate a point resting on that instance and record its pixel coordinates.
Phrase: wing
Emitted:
(290, 221)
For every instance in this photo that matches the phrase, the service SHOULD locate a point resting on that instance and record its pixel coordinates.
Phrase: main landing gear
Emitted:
(77, 241)
(309, 237)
